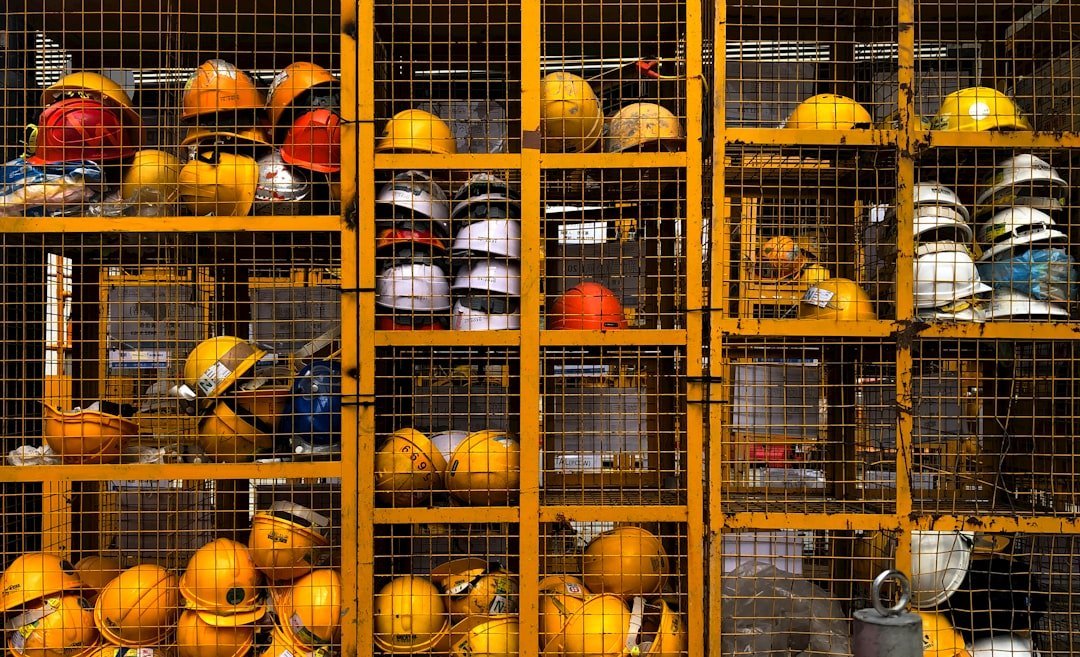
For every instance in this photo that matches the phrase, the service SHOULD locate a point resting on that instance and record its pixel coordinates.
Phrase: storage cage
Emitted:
(555, 328)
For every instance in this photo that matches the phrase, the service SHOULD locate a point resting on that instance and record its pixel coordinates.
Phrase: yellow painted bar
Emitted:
(1000, 524)
(929, 138)
(133, 471)
(532, 268)
(806, 328)
(320, 223)
(823, 521)
(784, 137)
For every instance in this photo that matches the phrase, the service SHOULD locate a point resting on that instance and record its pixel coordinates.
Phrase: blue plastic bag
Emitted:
(1046, 274)
(31, 190)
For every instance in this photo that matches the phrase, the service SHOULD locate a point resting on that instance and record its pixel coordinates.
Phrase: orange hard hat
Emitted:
(289, 87)
(78, 129)
(218, 86)
(314, 142)
(87, 84)
(587, 306)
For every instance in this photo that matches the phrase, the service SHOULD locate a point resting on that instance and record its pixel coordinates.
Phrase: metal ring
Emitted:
(905, 592)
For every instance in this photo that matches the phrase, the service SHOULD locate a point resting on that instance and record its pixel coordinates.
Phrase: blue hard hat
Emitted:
(315, 406)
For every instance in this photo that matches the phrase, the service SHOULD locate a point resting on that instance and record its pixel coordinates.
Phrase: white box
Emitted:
(783, 549)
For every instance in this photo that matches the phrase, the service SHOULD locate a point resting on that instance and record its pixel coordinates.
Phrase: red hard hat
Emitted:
(387, 323)
(587, 306)
(402, 235)
(77, 129)
(314, 142)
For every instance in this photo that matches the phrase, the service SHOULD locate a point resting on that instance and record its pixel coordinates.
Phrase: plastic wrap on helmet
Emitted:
(1044, 274)
(315, 407)
(51, 190)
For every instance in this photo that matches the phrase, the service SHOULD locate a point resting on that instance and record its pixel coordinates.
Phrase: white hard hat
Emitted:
(495, 236)
(415, 286)
(934, 223)
(965, 310)
(1018, 226)
(1003, 645)
(483, 183)
(945, 273)
(939, 563)
(490, 276)
(1023, 175)
(447, 441)
(476, 312)
(412, 194)
(933, 193)
(1009, 305)
(280, 187)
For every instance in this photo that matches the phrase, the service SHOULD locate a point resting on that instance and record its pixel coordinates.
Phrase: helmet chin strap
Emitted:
(637, 614)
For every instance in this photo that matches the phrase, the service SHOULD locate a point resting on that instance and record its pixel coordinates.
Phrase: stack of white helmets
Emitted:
(1032, 277)
(486, 252)
(946, 282)
(412, 290)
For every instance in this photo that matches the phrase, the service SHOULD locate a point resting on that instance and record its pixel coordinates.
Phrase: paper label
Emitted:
(815, 296)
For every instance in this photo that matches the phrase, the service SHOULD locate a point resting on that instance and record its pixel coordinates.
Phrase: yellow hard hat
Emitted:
(940, 638)
(86, 436)
(570, 117)
(33, 576)
(837, 299)
(219, 183)
(278, 643)
(197, 638)
(53, 627)
(597, 629)
(248, 136)
(829, 112)
(660, 631)
(976, 109)
(310, 610)
(95, 571)
(408, 468)
(410, 617)
(625, 561)
(214, 365)
(222, 581)
(475, 587)
(293, 82)
(781, 257)
(560, 597)
(485, 469)
(284, 540)
(416, 131)
(138, 607)
(643, 126)
(228, 437)
(91, 85)
(485, 636)
(813, 274)
(218, 86)
(155, 170)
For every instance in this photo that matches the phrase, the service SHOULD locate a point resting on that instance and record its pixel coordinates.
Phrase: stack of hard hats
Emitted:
(228, 430)
(228, 135)
(412, 214)
(86, 436)
(946, 283)
(95, 571)
(571, 120)
(785, 258)
(45, 613)
(303, 106)
(86, 117)
(411, 617)
(223, 587)
(587, 306)
(625, 565)
(487, 244)
(288, 540)
(1033, 278)
(979, 109)
(481, 468)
